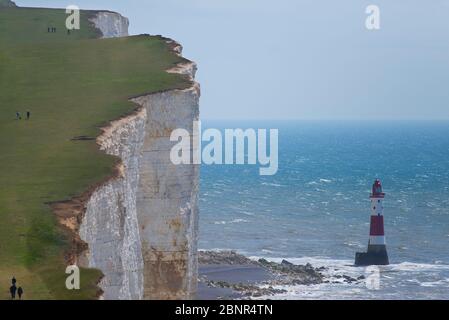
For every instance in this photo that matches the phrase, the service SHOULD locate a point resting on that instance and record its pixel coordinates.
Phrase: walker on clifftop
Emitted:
(377, 250)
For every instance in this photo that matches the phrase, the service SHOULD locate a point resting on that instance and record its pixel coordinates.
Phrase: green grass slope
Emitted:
(72, 84)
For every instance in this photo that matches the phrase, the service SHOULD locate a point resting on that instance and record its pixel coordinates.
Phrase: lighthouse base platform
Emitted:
(376, 255)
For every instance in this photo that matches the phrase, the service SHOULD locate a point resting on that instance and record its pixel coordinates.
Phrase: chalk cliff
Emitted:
(111, 24)
(141, 226)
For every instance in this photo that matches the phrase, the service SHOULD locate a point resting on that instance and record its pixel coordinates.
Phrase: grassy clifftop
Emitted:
(72, 85)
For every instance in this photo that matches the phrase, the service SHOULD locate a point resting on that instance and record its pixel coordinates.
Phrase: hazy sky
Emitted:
(290, 59)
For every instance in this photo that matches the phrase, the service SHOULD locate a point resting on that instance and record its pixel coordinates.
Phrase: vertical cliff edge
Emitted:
(140, 227)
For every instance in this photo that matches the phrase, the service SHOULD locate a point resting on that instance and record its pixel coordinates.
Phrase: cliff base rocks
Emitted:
(229, 275)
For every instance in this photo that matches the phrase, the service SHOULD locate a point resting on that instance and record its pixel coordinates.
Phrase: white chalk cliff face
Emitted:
(111, 24)
(141, 227)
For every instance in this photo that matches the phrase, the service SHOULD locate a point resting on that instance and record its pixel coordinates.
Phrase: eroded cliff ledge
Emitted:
(141, 226)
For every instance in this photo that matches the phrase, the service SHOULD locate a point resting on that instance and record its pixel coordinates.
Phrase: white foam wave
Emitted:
(411, 266)
(443, 282)
(232, 221)
(271, 184)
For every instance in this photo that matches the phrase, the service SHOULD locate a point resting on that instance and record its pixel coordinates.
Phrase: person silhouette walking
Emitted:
(20, 293)
(13, 290)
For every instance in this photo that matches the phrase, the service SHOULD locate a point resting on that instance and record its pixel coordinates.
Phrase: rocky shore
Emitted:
(229, 275)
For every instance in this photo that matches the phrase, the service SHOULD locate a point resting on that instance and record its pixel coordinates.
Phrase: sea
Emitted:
(316, 208)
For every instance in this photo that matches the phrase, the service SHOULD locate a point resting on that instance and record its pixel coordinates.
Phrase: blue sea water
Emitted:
(316, 208)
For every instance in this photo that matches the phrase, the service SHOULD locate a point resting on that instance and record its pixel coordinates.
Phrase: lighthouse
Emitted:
(377, 249)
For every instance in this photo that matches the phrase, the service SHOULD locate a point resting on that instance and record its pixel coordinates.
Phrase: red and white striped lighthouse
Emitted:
(377, 250)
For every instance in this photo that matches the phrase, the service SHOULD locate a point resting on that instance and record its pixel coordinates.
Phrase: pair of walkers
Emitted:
(19, 117)
(13, 289)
